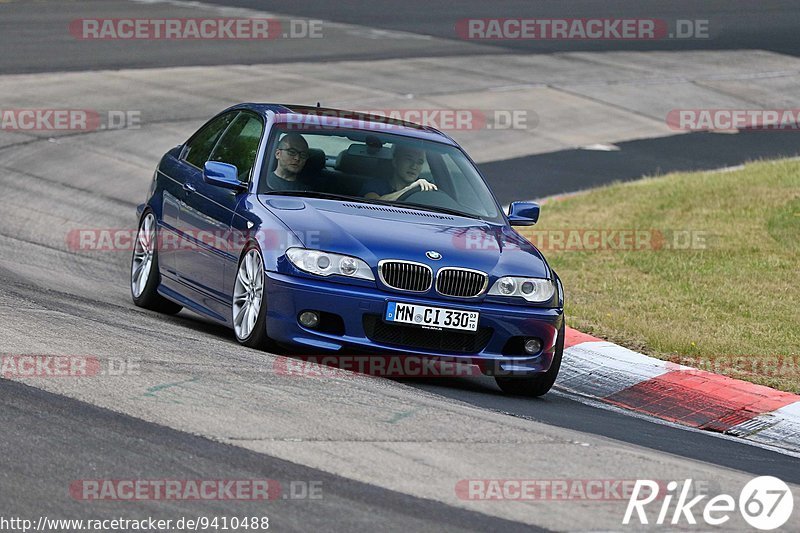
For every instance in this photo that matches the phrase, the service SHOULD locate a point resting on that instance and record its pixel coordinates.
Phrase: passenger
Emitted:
(407, 162)
(292, 154)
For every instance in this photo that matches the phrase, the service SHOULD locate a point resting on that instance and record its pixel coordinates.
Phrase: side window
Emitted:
(198, 149)
(239, 146)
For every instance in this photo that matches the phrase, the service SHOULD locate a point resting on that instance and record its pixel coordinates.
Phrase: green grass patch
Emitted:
(715, 281)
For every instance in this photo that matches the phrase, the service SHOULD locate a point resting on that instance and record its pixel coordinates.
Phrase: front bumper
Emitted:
(289, 295)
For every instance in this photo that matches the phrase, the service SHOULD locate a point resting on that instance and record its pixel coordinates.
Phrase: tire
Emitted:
(249, 305)
(145, 276)
(537, 385)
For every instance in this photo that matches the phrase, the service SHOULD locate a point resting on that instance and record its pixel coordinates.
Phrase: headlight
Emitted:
(532, 289)
(328, 264)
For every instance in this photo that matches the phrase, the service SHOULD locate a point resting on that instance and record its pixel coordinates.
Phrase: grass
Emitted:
(729, 303)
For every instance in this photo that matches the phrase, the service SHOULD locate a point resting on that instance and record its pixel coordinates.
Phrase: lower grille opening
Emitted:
(330, 323)
(415, 337)
(514, 346)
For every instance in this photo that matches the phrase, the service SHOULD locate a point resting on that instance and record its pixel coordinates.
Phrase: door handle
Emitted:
(188, 187)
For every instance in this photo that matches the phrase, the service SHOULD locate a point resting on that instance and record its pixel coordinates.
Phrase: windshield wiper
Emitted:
(316, 194)
(438, 210)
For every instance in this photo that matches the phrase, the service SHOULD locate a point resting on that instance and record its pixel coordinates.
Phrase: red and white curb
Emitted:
(679, 394)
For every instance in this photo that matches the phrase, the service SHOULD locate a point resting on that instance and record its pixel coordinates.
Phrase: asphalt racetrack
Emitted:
(187, 402)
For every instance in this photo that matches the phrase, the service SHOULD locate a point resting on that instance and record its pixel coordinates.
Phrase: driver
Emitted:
(407, 162)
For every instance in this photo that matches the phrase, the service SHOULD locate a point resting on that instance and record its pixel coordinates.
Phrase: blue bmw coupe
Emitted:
(338, 231)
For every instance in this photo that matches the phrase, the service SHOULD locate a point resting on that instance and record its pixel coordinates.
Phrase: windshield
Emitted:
(378, 168)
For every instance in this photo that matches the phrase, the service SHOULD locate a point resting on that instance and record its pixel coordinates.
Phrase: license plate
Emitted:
(432, 317)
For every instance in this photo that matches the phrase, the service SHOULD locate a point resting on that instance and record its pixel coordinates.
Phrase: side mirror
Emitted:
(222, 175)
(523, 213)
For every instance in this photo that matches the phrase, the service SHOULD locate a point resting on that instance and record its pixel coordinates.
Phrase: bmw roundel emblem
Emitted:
(433, 255)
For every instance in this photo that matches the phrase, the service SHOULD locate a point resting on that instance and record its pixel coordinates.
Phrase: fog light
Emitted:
(533, 345)
(309, 319)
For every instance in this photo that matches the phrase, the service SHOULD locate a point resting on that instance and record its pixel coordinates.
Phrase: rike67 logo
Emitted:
(765, 503)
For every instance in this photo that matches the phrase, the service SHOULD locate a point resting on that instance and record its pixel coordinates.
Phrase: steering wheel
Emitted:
(405, 195)
(435, 198)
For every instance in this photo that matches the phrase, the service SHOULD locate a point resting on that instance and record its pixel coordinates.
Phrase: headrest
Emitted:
(315, 161)
(363, 165)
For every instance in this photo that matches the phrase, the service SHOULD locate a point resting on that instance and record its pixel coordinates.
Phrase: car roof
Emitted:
(310, 117)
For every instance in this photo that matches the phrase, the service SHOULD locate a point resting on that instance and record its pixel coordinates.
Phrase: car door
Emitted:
(207, 212)
(177, 173)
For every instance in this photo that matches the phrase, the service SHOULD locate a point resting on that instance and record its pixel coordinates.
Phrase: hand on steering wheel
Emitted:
(424, 185)
(421, 185)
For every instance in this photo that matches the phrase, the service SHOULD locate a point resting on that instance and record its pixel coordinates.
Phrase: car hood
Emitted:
(375, 232)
